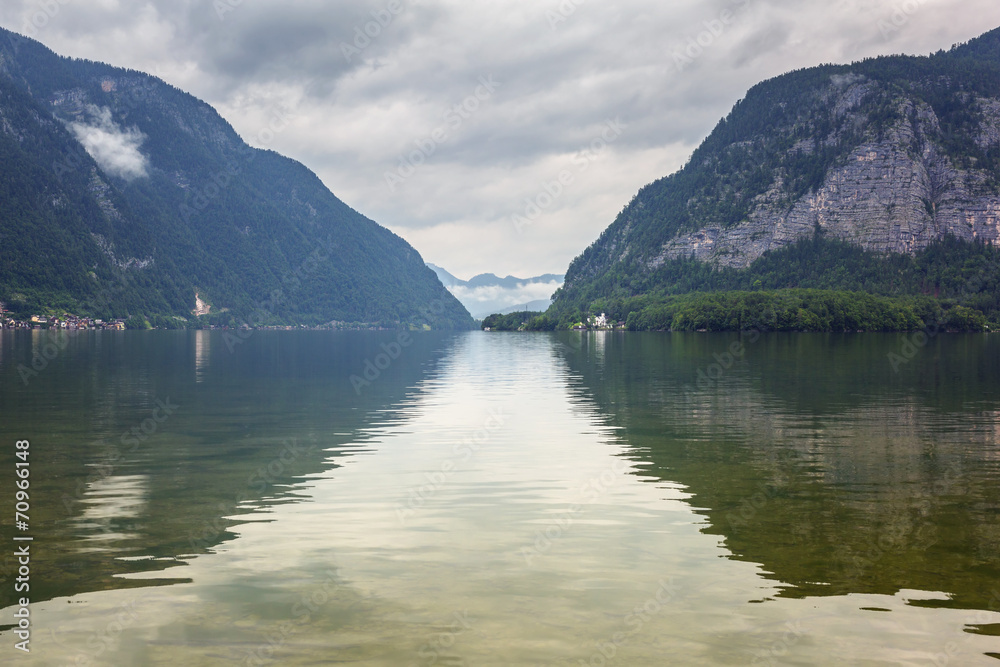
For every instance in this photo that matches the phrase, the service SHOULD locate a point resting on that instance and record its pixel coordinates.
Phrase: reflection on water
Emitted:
(509, 499)
(107, 502)
(202, 347)
(146, 449)
(839, 473)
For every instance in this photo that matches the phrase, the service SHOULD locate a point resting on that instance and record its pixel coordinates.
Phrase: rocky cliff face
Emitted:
(895, 194)
(890, 154)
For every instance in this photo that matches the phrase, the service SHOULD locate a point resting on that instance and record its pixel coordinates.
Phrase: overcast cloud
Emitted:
(448, 118)
(116, 150)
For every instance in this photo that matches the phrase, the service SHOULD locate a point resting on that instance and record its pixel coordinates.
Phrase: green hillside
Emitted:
(881, 177)
(122, 196)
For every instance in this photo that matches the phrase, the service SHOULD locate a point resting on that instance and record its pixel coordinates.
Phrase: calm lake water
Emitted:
(505, 499)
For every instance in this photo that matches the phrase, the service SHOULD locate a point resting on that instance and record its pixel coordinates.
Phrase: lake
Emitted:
(306, 498)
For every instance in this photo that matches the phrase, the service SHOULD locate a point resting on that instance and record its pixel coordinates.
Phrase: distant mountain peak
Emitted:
(486, 293)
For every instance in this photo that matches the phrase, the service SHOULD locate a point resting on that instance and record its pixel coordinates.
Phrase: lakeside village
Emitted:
(598, 323)
(67, 321)
(505, 323)
(70, 322)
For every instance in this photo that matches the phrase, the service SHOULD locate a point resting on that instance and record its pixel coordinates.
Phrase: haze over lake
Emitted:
(490, 499)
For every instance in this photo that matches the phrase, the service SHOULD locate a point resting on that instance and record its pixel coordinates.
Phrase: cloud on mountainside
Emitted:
(494, 298)
(116, 150)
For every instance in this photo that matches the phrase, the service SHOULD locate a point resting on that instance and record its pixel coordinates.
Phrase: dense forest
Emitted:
(953, 282)
(801, 310)
(519, 321)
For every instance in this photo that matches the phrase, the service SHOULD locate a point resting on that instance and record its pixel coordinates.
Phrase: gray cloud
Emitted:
(561, 81)
(485, 300)
(115, 149)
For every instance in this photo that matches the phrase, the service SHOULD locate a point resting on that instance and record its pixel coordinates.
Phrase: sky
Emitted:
(495, 136)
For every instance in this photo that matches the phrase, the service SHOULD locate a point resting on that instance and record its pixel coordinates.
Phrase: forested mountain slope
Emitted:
(890, 156)
(123, 196)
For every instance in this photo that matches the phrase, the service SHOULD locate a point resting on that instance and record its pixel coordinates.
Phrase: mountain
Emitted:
(123, 196)
(446, 278)
(880, 176)
(487, 294)
(530, 306)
